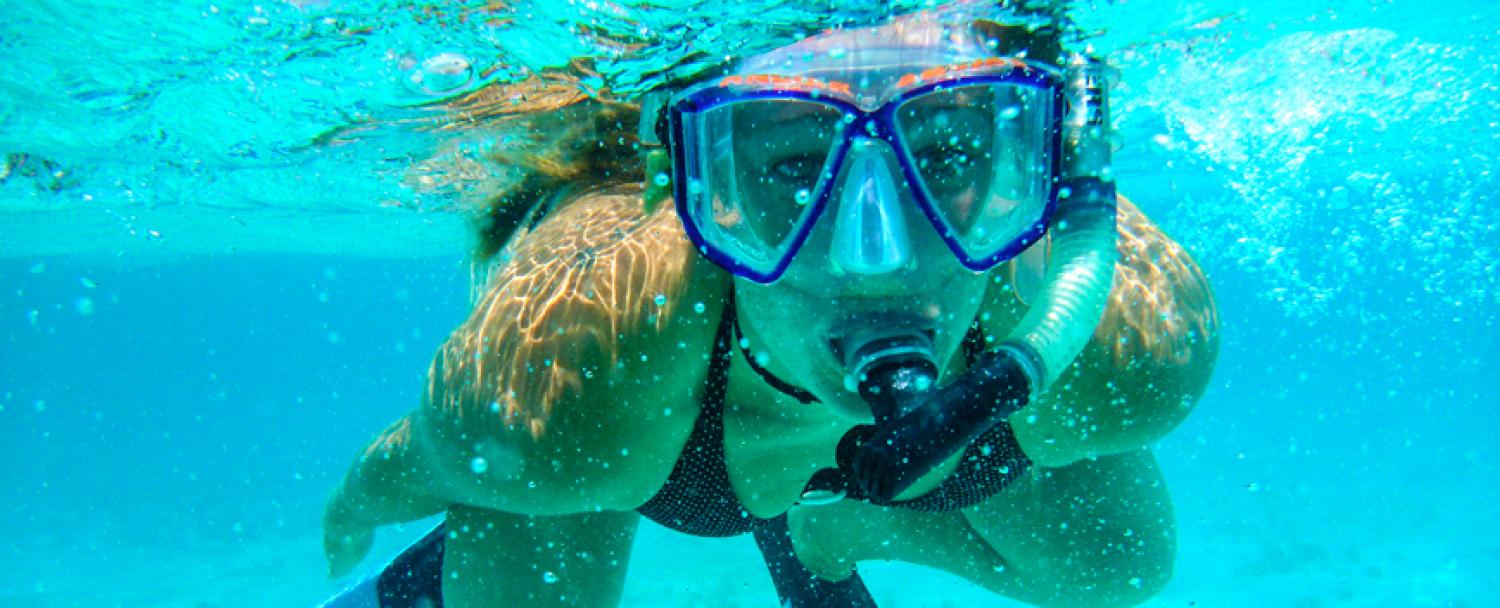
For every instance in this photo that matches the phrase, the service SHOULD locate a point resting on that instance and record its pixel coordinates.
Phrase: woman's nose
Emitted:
(869, 231)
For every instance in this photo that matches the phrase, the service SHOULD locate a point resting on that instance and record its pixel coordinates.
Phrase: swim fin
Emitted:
(413, 580)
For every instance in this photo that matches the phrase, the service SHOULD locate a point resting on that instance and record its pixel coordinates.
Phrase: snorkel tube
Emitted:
(916, 430)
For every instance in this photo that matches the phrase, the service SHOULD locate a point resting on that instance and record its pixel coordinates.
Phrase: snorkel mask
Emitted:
(994, 148)
(758, 157)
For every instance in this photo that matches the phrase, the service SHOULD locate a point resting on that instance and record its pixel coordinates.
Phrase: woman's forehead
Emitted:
(873, 60)
(921, 39)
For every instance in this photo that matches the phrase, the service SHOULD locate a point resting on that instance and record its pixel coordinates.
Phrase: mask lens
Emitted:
(754, 168)
(981, 154)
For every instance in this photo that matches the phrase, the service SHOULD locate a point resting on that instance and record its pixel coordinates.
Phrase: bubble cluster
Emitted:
(1318, 164)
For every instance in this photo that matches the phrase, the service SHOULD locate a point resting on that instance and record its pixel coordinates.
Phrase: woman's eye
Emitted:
(944, 160)
(800, 168)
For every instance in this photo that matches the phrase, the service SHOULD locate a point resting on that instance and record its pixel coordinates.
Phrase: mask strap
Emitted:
(658, 179)
(658, 161)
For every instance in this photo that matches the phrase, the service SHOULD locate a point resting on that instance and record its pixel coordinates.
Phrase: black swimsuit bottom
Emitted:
(698, 498)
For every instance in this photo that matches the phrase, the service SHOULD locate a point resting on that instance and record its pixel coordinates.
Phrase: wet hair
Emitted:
(1040, 43)
(559, 141)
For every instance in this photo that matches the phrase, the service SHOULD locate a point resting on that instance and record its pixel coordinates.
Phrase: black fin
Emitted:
(415, 578)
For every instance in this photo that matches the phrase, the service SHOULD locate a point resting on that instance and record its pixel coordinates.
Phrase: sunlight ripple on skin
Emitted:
(548, 294)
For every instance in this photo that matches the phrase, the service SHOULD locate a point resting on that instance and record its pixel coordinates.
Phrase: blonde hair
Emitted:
(547, 139)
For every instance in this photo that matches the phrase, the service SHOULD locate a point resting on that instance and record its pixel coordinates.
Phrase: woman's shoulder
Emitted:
(1148, 361)
(1161, 308)
(1156, 345)
(584, 294)
(587, 346)
(1161, 320)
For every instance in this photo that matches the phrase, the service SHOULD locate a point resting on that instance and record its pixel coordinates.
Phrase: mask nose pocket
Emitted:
(869, 232)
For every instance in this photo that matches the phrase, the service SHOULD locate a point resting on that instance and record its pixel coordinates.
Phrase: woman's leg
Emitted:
(1094, 533)
(494, 558)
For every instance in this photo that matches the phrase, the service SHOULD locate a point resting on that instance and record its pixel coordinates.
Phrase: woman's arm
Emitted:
(572, 384)
(571, 388)
(1147, 364)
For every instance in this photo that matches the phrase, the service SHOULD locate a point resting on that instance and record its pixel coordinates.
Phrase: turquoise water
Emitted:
(223, 274)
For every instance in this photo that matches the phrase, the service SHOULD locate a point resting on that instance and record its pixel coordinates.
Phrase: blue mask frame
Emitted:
(880, 124)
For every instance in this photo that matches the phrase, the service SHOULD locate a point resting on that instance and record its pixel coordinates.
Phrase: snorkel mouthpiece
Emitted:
(896, 381)
(940, 423)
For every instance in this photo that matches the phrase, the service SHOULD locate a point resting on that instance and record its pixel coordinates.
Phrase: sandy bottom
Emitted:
(1329, 566)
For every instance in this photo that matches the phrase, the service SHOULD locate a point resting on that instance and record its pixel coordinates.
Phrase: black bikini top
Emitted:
(698, 499)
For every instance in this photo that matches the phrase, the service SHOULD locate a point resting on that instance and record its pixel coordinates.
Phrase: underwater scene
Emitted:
(233, 235)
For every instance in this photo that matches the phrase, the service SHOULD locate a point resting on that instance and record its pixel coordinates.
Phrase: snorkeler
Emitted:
(899, 313)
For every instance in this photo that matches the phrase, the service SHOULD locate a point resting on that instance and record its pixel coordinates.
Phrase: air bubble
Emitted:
(479, 465)
(442, 74)
(662, 179)
(803, 196)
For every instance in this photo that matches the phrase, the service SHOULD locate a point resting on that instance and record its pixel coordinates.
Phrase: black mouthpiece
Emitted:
(897, 383)
(921, 429)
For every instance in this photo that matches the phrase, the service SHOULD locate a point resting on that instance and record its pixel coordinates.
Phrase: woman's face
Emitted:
(812, 320)
(873, 268)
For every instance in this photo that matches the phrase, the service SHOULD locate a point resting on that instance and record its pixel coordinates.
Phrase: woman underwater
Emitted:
(899, 313)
